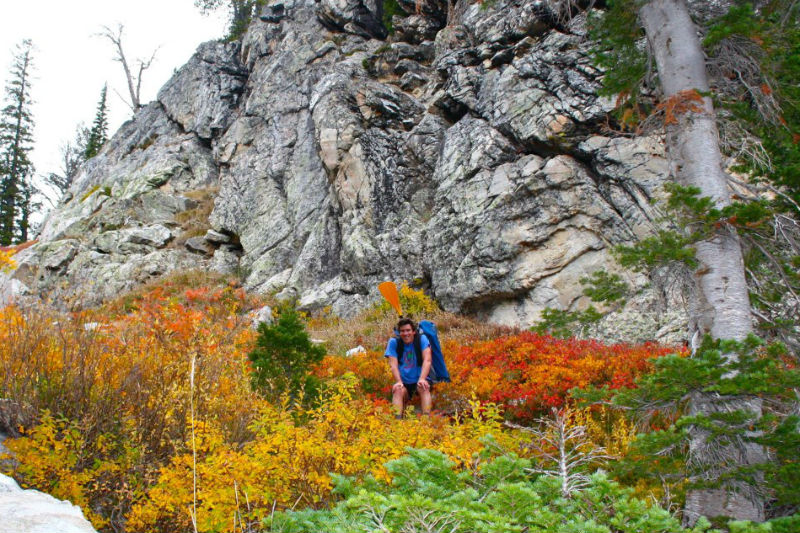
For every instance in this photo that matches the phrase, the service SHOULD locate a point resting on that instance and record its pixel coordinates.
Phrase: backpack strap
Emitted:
(417, 348)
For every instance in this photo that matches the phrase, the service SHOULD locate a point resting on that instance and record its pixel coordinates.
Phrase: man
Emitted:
(410, 374)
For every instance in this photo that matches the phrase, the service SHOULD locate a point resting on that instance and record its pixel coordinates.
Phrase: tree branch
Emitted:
(134, 82)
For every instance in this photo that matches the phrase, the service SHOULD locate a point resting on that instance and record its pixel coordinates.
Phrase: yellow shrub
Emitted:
(605, 427)
(122, 392)
(287, 464)
(413, 301)
(47, 459)
(6, 261)
(119, 440)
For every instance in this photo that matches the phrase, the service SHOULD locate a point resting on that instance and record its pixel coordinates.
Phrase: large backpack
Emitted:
(438, 371)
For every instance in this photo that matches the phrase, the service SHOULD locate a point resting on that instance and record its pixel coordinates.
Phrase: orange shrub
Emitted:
(370, 368)
(112, 394)
(524, 373)
(527, 373)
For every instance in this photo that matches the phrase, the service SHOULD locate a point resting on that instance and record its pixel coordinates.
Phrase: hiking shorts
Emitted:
(412, 388)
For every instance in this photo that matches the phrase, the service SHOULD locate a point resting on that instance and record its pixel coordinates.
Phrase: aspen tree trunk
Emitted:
(722, 307)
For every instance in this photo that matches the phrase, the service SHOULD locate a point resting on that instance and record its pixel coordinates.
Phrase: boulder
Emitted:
(199, 245)
(31, 511)
(133, 240)
(355, 351)
(263, 315)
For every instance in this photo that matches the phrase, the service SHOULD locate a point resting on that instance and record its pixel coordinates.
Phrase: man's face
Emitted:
(407, 333)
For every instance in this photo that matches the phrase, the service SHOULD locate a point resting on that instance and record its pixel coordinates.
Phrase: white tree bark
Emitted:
(722, 308)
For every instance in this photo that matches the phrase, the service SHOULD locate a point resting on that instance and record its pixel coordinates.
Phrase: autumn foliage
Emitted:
(527, 373)
(289, 461)
(144, 412)
(102, 399)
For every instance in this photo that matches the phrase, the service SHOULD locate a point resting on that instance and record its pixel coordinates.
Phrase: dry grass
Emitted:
(194, 222)
(372, 332)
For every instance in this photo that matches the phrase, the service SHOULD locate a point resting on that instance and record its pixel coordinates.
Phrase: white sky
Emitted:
(72, 63)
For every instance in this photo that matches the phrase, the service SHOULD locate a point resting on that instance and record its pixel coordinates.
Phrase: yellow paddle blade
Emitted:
(389, 291)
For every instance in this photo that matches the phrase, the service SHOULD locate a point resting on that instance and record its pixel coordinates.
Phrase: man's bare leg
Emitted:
(399, 399)
(425, 400)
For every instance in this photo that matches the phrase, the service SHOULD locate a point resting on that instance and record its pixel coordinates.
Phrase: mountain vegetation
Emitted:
(98, 133)
(240, 13)
(175, 408)
(740, 73)
(150, 414)
(73, 155)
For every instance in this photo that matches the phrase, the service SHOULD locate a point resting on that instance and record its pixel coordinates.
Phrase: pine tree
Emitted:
(283, 357)
(98, 135)
(241, 13)
(693, 82)
(16, 143)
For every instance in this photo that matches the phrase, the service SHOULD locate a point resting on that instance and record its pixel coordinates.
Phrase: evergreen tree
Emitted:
(241, 13)
(283, 357)
(16, 143)
(98, 135)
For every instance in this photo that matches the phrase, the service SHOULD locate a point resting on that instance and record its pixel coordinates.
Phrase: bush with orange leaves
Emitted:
(104, 400)
(524, 373)
(7, 255)
(528, 373)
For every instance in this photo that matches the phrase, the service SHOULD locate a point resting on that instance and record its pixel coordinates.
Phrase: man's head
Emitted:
(406, 328)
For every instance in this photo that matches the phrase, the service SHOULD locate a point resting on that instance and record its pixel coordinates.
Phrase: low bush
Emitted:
(527, 373)
(293, 455)
(425, 492)
(102, 399)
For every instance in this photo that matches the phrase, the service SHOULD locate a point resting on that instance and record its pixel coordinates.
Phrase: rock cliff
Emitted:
(465, 150)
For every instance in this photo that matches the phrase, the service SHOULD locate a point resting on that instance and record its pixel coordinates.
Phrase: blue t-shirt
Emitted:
(409, 371)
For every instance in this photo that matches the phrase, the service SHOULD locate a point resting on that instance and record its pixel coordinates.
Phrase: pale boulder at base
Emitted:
(31, 511)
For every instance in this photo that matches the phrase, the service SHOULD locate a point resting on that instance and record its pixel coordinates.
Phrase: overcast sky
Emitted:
(72, 63)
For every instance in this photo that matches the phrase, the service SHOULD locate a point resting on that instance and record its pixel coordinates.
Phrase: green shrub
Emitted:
(563, 324)
(426, 493)
(390, 9)
(283, 357)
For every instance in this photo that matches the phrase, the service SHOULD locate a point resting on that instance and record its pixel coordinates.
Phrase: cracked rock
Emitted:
(467, 151)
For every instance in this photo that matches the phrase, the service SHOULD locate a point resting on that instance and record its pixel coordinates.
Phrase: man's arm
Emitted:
(391, 349)
(395, 369)
(427, 357)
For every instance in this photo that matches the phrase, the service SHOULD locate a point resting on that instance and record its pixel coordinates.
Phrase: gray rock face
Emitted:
(466, 152)
(202, 97)
(360, 17)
